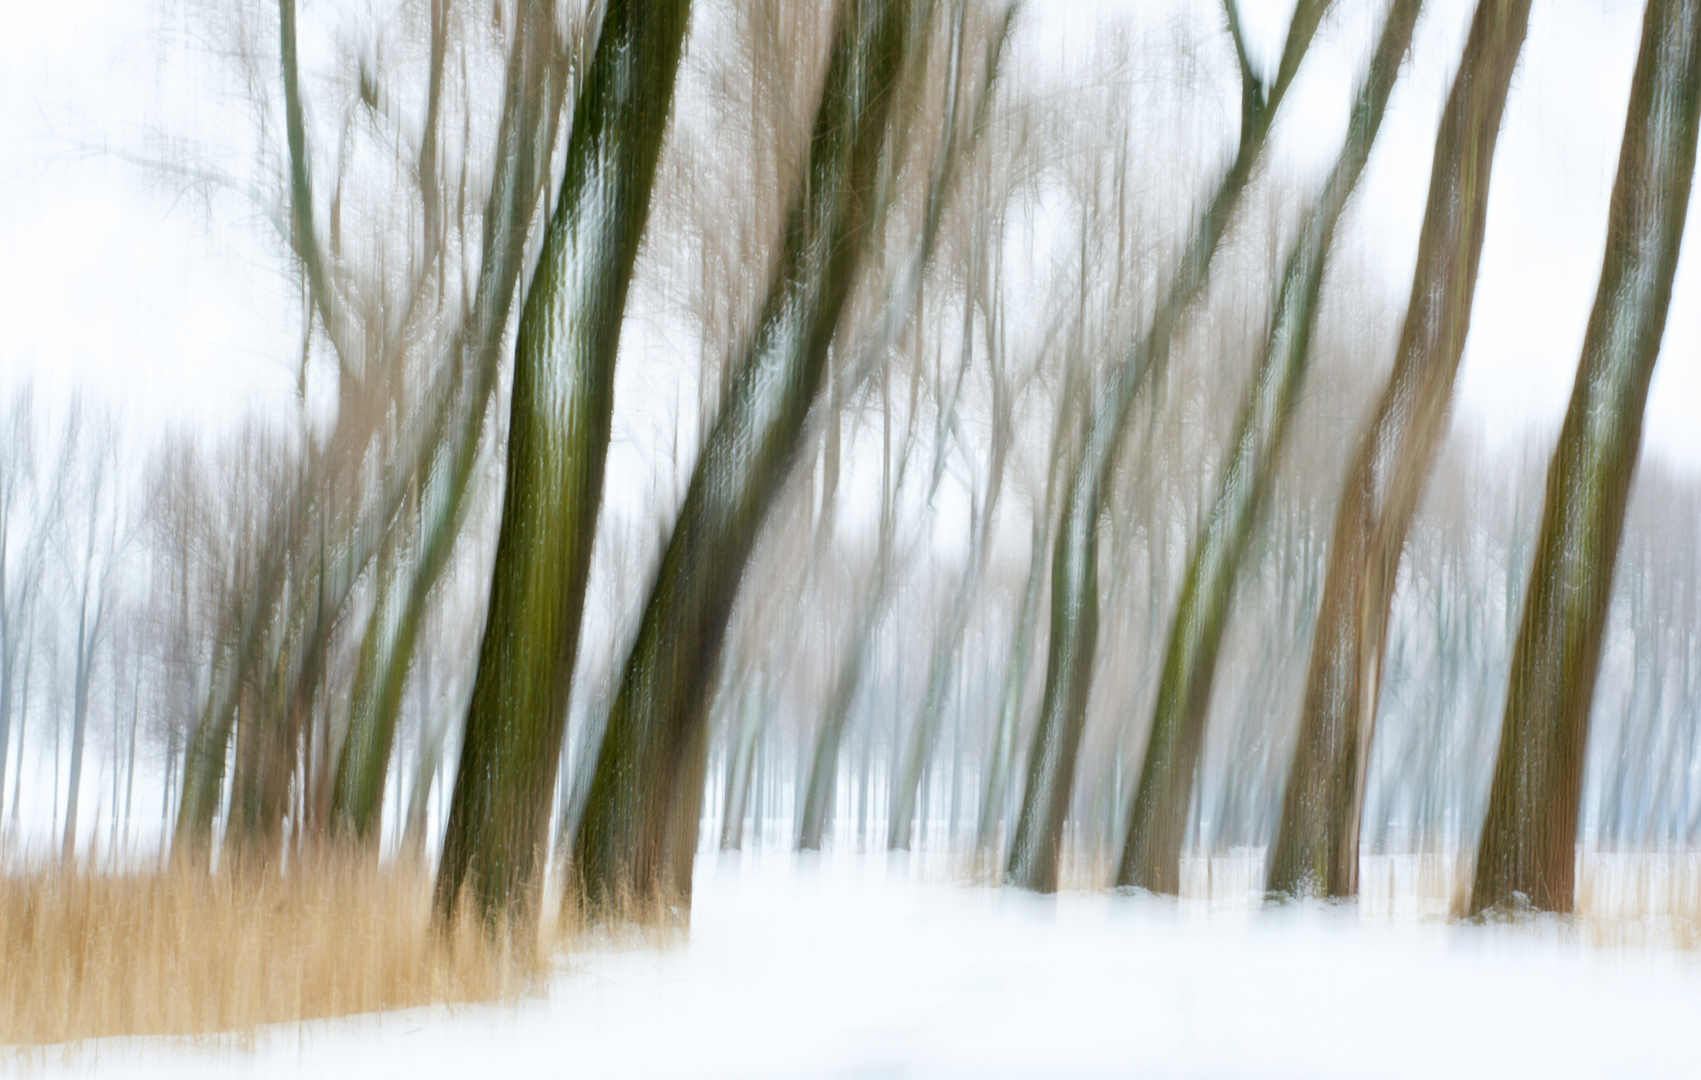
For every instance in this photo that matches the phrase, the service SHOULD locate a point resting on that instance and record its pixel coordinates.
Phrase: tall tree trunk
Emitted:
(638, 839)
(536, 88)
(1317, 842)
(557, 440)
(1151, 856)
(1529, 841)
(1035, 850)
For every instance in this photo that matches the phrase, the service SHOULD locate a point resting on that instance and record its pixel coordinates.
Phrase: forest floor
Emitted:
(866, 967)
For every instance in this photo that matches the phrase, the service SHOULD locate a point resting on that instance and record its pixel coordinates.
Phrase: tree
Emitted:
(1529, 839)
(638, 839)
(1035, 850)
(28, 516)
(535, 90)
(1317, 842)
(333, 533)
(1152, 853)
(557, 439)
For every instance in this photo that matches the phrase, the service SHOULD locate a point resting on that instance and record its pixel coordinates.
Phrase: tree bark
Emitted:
(557, 441)
(1317, 841)
(1151, 857)
(1529, 840)
(536, 87)
(637, 842)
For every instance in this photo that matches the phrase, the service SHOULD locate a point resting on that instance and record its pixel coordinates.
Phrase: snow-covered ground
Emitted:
(860, 967)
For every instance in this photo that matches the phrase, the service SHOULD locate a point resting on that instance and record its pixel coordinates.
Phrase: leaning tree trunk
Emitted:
(1035, 850)
(637, 841)
(1317, 843)
(1529, 841)
(536, 86)
(1151, 857)
(557, 439)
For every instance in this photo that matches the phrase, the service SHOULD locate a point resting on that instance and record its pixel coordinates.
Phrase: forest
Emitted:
(713, 463)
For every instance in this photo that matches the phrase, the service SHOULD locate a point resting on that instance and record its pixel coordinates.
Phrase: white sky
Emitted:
(120, 282)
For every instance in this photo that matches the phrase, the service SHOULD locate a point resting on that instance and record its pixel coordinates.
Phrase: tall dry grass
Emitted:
(183, 952)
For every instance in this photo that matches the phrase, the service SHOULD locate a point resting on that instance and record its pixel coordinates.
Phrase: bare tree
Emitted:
(1152, 854)
(638, 839)
(557, 440)
(1529, 840)
(1074, 572)
(1317, 845)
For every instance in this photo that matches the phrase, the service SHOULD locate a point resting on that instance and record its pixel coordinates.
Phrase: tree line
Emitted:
(1036, 498)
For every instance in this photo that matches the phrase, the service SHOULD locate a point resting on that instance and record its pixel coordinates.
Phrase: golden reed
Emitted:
(177, 951)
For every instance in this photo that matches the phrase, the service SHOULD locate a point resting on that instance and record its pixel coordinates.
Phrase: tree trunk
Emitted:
(536, 88)
(1151, 857)
(637, 842)
(557, 440)
(88, 632)
(1317, 842)
(1035, 850)
(1529, 841)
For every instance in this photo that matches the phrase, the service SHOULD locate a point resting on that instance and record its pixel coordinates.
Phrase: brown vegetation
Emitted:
(178, 951)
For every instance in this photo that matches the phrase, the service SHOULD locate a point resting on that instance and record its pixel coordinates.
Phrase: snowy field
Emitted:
(860, 968)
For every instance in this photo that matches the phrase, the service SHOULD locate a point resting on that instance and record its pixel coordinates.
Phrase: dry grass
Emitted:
(181, 952)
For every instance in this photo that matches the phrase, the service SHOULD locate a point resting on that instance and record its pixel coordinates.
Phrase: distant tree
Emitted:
(89, 545)
(28, 518)
(1529, 840)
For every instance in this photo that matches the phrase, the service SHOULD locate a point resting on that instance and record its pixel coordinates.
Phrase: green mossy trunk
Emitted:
(1036, 848)
(1529, 840)
(637, 841)
(557, 440)
(1151, 857)
(535, 89)
(1317, 841)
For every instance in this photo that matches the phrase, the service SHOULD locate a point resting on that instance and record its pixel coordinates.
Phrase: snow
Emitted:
(864, 966)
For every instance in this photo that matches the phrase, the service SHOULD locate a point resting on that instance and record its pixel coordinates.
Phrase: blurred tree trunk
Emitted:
(637, 841)
(992, 810)
(1317, 841)
(88, 634)
(1529, 841)
(983, 508)
(536, 87)
(1035, 850)
(1151, 857)
(823, 772)
(557, 440)
(958, 144)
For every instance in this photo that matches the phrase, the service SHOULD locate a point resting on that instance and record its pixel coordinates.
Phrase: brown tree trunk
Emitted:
(1317, 843)
(1151, 857)
(1529, 840)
